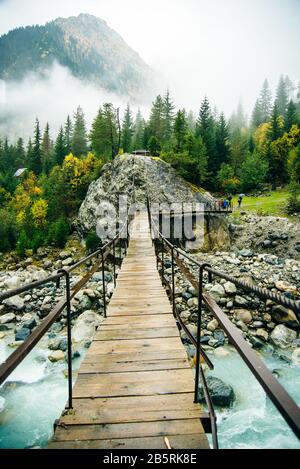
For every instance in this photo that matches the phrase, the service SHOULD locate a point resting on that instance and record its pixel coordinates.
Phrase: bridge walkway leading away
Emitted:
(135, 387)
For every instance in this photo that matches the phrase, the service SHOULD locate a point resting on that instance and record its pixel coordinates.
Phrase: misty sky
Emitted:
(221, 48)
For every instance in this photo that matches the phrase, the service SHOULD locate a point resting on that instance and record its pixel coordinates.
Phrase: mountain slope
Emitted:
(85, 44)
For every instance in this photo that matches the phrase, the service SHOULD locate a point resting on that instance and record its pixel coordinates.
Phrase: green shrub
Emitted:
(293, 205)
(38, 240)
(92, 241)
(58, 233)
(23, 244)
(7, 231)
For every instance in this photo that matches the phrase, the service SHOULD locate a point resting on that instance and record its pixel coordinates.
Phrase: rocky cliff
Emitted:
(154, 177)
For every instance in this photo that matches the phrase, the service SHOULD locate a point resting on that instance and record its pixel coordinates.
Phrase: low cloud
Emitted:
(50, 98)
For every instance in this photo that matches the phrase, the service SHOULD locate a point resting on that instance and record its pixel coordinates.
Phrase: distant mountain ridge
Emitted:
(86, 45)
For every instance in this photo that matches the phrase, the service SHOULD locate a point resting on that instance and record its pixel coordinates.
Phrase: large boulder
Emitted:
(221, 393)
(283, 337)
(152, 176)
(85, 326)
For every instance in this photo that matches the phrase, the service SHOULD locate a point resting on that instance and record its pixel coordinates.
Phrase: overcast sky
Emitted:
(220, 48)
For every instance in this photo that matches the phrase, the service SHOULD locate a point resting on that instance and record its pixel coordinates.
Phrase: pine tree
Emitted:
(222, 142)
(292, 116)
(35, 163)
(127, 131)
(68, 135)
(205, 128)
(168, 120)
(180, 129)
(266, 101)
(20, 154)
(157, 121)
(191, 121)
(257, 115)
(79, 139)
(29, 152)
(138, 135)
(60, 149)
(97, 136)
(104, 133)
(282, 98)
(276, 129)
(47, 150)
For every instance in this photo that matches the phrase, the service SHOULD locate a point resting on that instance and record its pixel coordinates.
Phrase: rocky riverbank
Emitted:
(271, 235)
(260, 322)
(21, 314)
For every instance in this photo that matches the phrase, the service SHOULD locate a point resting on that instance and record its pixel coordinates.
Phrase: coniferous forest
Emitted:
(210, 151)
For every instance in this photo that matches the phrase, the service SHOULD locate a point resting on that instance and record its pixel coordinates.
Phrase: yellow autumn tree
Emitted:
(261, 138)
(39, 212)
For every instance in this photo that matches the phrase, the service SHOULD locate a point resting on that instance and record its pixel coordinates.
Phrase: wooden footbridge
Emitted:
(135, 388)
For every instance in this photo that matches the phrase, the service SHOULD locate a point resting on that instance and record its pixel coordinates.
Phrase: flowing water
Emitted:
(253, 422)
(36, 393)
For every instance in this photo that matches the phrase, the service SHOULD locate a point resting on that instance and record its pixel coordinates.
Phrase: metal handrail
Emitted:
(275, 391)
(197, 344)
(11, 363)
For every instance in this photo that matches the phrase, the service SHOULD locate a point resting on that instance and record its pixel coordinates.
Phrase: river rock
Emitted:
(12, 282)
(31, 324)
(285, 287)
(16, 303)
(85, 325)
(240, 301)
(22, 334)
(243, 315)
(56, 356)
(64, 255)
(67, 262)
(246, 253)
(7, 318)
(217, 292)
(230, 288)
(283, 337)
(219, 336)
(284, 315)
(212, 325)
(221, 393)
(262, 334)
(85, 303)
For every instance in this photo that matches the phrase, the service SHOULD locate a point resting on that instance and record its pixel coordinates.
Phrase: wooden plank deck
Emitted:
(135, 385)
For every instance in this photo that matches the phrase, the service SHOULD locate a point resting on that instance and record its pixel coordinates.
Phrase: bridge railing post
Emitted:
(173, 280)
(103, 283)
(114, 261)
(199, 327)
(69, 334)
(162, 261)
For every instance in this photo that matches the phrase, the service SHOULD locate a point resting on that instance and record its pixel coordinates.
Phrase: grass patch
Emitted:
(273, 203)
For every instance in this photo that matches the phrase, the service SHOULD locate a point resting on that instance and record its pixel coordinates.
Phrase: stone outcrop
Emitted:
(152, 177)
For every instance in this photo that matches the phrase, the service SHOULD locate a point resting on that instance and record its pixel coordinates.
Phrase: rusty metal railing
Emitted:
(274, 390)
(122, 238)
